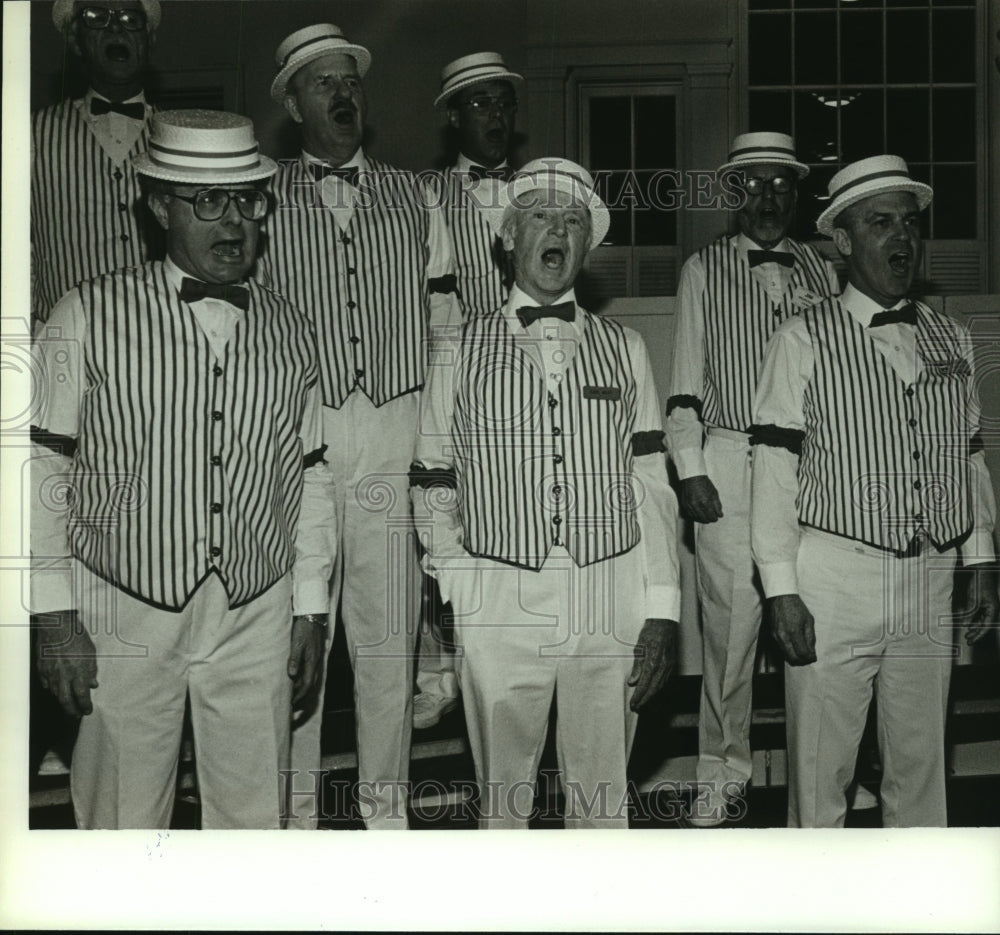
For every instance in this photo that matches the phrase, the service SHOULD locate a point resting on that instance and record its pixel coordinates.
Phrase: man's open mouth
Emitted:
(117, 52)
(229, 249)
(343, 115)
(900, 262)
(553, 258)
(496, 135)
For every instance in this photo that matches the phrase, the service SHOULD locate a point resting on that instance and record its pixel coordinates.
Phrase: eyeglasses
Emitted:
(780, 185)
(99, 17)
(210, 204)
(486, 105)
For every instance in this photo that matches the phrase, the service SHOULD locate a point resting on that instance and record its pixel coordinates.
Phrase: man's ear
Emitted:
(72, 40)
(156, 202)
(507, 233)
(292, 106)
(842, 241)
(453, 117)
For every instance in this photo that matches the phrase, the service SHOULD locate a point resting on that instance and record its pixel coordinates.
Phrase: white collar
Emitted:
(744, 243)
(357, 161)
(519, 298)
(862, 307)
(464, 163)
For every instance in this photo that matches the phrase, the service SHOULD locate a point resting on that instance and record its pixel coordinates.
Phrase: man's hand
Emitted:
(699, 500)
(306, 661)
(655, 660)
(982, 605)
(67, 660)
(793, 627)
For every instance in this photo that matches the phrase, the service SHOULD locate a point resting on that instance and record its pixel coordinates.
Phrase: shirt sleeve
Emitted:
(445, 309)
(57, 357)
(316, 534)
(979, 547)
(683, 425)
(774, 524)
(657, 514)
(432, 488)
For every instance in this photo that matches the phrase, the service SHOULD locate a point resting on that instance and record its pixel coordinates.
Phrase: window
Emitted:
(854, 78)
(629, 140)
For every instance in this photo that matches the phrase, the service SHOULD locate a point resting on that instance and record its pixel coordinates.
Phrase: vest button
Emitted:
(217, 370)
(913, 422)
(216, 551)
(557, 520)
(355, 339)
(216, 507)
(917, 485)
(558, 459)
(216, 461)
(359, 372)
(909, 391)
(345, 240)
(118, 174)
(557, 491)
(351, 271)
(916, 455)
(553, 402)
(216, 416)
(124, 238)
(557, 431)
(122, 206)
(352, 304)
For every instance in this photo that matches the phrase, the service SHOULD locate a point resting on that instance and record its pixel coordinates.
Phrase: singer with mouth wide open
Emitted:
(85, 213)
(354, 244)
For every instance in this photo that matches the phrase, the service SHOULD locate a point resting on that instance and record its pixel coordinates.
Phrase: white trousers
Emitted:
(525, 637)
(376, 584)
(232, 662)
(731, 606)
(883, 624)
(436, 673)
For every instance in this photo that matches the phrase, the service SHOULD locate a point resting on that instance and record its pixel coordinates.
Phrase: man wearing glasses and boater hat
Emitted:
(354, 243)
(190, 398)
(869, 485)
(733, 294)
(85, 213)
(478, 95)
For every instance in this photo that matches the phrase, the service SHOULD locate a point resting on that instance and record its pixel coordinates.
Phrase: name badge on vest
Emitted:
(805, 298)
(610, 393)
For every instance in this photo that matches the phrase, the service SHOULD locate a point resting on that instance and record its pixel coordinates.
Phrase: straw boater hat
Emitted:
(865, 178)
(473, 69)
(62, 13)
(203, 146)
(312, 42)
(753, 149)
(551, 181)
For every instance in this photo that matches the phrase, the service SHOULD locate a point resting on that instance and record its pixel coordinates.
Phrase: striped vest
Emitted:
(534, 468)
(882, 460)
(479, 277)
(366, 290)
(739, 321)
(187, 464)
(86, 213)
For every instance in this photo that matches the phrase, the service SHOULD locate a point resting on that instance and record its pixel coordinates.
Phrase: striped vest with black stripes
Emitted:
(882, 460)
(534, 468)
(478, 275)
(86, 212)
(366, 289)
(739, 321)
(188, 464)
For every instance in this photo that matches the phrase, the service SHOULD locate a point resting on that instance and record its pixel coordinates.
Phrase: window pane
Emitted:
(812, 189)
(907, 49)
(653, 226)
(954, 124)
(861, 124)
(955, 202)
(610, 139)
(908, 123)
(770, 49)
(770, 4)
(771, 110)
(954, 45)
(815, 48)
(861, 48)
(815, 126)
(655, 132)
(921, 171)
(610, 187)
(816, 4)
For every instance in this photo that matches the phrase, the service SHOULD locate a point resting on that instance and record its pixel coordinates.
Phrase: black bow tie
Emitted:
(321, 170)
(906, 314)
(477, 173)
(136, 110)
(193, 290)
(526, 314)
(756, 257)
